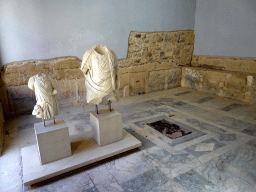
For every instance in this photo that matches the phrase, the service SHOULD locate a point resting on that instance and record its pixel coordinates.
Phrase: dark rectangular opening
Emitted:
(169, 129)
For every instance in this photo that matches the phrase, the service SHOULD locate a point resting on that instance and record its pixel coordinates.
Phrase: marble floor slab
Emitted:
(219, 154)
(85, 151)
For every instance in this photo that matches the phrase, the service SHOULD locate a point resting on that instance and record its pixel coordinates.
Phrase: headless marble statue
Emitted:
(100, 68)
(45, 91)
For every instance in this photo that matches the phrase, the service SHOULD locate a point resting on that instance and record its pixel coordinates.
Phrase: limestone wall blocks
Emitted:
(236, 85)
(238, 64)
(153, 63)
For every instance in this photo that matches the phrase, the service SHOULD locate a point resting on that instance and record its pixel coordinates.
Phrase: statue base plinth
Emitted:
(53, 141)
(85, 151)
(106, 126)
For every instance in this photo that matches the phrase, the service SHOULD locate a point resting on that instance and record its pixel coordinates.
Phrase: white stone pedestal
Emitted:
(106, 126)
(52, 140)
(85, 151)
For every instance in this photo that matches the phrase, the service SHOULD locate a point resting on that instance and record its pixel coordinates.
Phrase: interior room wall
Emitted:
(225, 28)
(35, 29)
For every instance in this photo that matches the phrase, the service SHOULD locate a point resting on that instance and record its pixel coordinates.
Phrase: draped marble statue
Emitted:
(100, 68)
(45, 91)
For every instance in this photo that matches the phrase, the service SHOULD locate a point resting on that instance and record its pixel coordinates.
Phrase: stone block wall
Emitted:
(232, 77)
(238, 64)
(154, 60)
(154, 63)
(231, 84)
(18, 98)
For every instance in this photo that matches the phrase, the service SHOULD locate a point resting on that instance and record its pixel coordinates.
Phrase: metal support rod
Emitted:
(43, 121)
(97, 109)
(54, 120)
(109, 105)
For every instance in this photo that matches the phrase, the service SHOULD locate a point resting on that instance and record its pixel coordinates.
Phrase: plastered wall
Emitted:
(36, 29)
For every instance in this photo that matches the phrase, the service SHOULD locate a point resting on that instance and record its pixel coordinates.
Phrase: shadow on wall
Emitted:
(1, 64)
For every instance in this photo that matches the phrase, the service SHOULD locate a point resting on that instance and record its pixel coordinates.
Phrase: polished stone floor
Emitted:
(219, 154)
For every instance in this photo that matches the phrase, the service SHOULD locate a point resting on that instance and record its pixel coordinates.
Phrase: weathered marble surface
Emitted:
(230, 166)
(100, 68)
(45, 90)
(233, 171)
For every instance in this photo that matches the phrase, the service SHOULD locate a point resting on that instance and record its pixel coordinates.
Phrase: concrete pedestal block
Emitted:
(106, 126)
(53, 141)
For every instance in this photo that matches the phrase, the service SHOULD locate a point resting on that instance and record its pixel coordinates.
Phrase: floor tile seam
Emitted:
(207, 108)
(171, 91)
(109, 173)
(193, 103)
(151, 137)
(186, 144)
(241, 178)
(94, 185)
(223, 150)
(139, 111)
(164, 92)
(198, 118)
(131, 100)
(203, 93)
(135, 174)
(237, 117)
(166, 147)
(147, 108)
(209, 122)
(145, 118)
(158, 142)
(216, 134)
(150, 129)
(163, 166)
(216, 153)
(185, 168)
(194, 126)
(216, 96)
(219, 184)
(226, 113)
(139, 130)
(176, 119)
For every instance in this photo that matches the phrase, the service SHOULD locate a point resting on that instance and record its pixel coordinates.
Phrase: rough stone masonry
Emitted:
(153, 63)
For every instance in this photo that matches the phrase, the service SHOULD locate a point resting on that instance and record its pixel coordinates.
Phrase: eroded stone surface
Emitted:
(225, 63)
(229, 84)
(16, 96)
(154, 59)
(161, 46)
(148, 54)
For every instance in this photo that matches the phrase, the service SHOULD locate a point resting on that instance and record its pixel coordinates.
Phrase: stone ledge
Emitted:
(238, 64)
(18, 73)
(231, 84)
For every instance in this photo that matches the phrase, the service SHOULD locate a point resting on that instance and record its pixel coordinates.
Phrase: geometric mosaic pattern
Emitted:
(219, 154)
